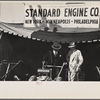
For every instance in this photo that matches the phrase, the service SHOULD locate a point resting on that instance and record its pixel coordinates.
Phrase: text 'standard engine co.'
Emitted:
(68, 12)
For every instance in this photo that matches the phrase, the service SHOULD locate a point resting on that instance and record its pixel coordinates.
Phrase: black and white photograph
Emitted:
(50, 49)
(55, 41)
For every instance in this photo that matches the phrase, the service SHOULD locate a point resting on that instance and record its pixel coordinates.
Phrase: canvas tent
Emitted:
(27, 44)
(62, 35)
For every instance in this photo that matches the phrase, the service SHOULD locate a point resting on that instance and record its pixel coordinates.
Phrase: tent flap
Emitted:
(67, 37)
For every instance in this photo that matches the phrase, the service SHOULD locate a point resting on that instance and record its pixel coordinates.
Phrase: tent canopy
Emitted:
(62, 35)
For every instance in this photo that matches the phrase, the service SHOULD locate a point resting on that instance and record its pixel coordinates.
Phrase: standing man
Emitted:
(75, 60)
(54, 58)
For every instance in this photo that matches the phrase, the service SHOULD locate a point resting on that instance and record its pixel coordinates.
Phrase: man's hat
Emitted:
(71, 44)
(56, 46)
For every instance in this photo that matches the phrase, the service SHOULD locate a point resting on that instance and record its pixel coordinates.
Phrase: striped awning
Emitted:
(62, 35)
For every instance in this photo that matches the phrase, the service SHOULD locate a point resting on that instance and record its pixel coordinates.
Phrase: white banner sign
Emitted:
(81, 16)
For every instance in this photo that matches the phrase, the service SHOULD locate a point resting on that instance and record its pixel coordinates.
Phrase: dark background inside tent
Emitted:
(30, 52)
